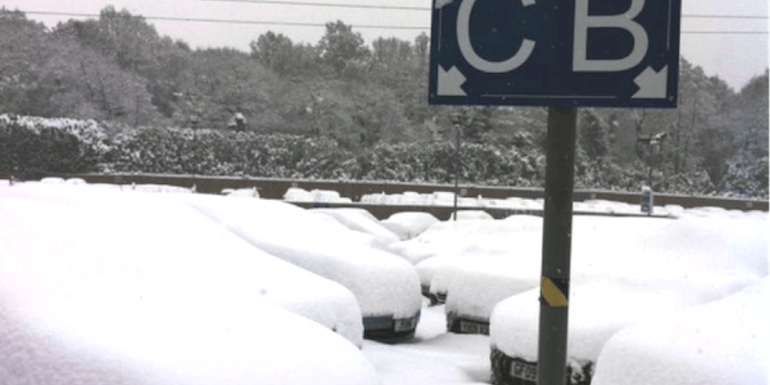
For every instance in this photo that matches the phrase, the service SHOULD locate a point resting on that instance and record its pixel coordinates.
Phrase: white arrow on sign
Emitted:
(652, 84)
(449, 82)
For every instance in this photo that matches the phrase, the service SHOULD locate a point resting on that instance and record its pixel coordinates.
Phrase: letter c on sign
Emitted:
(464, 40)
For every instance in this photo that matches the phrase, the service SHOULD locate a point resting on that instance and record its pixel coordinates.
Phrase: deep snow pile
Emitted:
(408, 225)
(493, 251)
(722, 342)
(363, 221)
(690, 261)
(479, 263)
(103, 287)
(454, 238)
(479, 281)
(383, 283)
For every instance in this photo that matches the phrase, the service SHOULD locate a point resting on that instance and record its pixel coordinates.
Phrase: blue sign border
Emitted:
(498, 31)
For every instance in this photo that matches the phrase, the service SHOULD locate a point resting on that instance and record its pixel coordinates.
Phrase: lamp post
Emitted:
(655, 145)
(458, 130)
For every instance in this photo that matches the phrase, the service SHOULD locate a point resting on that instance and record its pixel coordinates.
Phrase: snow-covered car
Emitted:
(510, 262)
(409, 224)
(447, 249)
(103, 287)
(685, 263)
(721, 342)
(360, 220)
(295, 194)
(387, 287)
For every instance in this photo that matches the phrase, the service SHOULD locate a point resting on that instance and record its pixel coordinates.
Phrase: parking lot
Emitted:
(198, 289)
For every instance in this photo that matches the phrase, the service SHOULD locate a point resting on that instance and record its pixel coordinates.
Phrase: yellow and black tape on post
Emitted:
(554, 292)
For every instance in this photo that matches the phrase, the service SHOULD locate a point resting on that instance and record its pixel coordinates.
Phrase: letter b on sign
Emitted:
(580, 62)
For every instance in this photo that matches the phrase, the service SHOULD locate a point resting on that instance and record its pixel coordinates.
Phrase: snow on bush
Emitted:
(87, 131)
(721, 342)
(383, 283)
(34, 147)
(104, 287)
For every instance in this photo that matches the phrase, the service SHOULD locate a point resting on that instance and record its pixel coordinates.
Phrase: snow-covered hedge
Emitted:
(746, 176)
(215, 152)
(34, 147)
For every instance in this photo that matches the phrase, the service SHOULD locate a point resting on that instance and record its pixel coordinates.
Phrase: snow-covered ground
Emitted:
(103, 287)
(126, 285)
(386, 287)
(720, 342)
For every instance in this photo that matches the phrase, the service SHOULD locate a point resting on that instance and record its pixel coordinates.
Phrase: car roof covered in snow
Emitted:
(383, 283)
(685, 263)
(158, 237)
(720, 342)
(103, 287)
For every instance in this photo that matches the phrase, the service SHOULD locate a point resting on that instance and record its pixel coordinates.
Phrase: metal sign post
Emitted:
(557, 240)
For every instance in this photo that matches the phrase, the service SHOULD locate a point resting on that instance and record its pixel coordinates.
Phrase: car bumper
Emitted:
(461, 324)
(387, 328)
(516, 371)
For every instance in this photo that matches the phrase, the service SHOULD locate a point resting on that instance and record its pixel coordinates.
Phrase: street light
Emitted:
(655, 142)
(455, 117)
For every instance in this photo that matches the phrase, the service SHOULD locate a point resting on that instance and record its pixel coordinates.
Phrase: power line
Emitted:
(321, 25)
(336, 5)
(226, 21)
(724, 16)
(725, 32)
(405, 8)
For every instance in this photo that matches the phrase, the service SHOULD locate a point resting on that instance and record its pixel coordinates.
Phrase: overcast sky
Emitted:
(736, 58)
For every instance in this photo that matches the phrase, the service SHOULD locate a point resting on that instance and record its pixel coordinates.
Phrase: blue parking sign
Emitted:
(561, 53)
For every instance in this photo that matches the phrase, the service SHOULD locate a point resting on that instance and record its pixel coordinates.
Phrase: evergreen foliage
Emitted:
(337, 109)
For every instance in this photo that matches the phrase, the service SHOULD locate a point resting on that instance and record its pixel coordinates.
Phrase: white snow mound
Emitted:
(383, 283)
(104, 287)
(721, 342)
